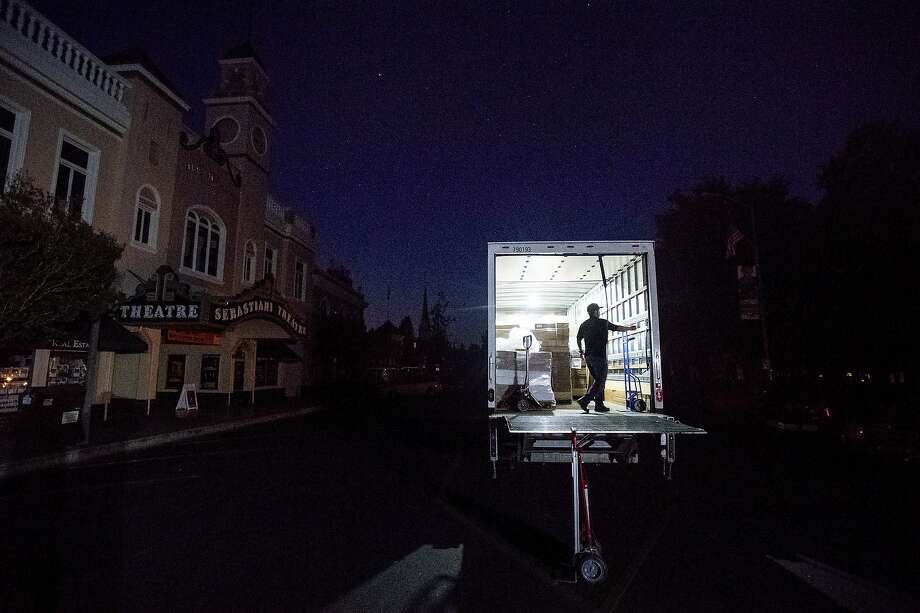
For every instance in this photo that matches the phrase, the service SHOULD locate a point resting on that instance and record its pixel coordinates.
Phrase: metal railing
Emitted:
(37, 29)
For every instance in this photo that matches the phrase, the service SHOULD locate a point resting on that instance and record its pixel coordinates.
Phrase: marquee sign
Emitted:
(158, 312)
(232, 312)
(161, 299)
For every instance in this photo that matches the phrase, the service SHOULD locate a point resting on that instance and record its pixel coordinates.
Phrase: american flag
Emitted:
(734, 236)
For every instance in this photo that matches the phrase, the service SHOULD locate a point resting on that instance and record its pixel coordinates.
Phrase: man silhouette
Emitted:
(594, 333)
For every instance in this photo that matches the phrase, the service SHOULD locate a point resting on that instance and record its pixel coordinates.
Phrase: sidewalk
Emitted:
(22, 452)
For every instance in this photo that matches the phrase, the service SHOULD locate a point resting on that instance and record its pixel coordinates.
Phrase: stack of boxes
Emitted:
(554, 339)
(579, 377)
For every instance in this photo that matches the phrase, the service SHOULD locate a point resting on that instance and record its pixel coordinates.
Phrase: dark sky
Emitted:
(412, 136)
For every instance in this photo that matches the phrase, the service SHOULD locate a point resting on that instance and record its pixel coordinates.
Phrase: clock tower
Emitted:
(239, 111)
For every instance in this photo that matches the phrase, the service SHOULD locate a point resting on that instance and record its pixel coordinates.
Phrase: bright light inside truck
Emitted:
(545, 296)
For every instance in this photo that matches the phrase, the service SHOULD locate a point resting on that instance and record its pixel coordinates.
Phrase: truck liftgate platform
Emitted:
(566, 435)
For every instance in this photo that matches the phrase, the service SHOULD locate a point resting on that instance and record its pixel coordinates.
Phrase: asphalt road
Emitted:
(393, 509)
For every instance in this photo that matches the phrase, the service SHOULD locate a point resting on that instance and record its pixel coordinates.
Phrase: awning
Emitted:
(115, 337)
(112, 337)
(275, 349)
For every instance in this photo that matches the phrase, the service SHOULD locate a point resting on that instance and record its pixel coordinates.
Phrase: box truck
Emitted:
(538, 297)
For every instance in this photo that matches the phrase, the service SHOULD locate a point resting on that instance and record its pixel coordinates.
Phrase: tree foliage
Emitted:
(52, 265)
(869, 226)
(706, 341)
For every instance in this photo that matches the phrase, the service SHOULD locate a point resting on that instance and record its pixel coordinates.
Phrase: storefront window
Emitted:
(67, 368)
(266, 372)
(210, 367)
(175, 372)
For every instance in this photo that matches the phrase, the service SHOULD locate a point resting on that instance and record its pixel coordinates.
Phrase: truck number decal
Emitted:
(521, 249)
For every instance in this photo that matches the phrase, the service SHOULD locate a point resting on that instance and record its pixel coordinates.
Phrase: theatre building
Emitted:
(218, 274)
(227, 311)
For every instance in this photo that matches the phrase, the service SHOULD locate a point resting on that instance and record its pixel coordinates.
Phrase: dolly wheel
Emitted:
(592, 568)
(523, 405)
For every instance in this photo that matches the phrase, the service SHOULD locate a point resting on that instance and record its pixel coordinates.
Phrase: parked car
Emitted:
(885, 424)
(799, 407)
(404, 381)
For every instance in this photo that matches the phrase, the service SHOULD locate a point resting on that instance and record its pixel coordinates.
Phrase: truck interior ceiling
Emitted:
(546, 297)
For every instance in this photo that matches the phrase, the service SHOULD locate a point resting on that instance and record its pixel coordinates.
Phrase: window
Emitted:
(210, 367)
(249, 262)
(203, 251)
(67, 369)
(73, 186)
(269, 262)
(146, 217)
(14, 122)
(7, 128)
(266, 372)
(175, 371)
(300, 278)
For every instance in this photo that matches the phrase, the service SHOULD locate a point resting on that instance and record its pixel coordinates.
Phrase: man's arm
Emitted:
(578, 339)
(618, 328)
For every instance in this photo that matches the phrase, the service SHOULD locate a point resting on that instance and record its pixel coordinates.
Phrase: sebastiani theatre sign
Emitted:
(231, 312)
(164, 299)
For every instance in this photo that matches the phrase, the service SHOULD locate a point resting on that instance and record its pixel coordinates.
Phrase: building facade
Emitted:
(219, 275)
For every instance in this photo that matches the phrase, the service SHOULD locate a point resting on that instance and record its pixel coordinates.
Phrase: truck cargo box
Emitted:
(542, 290)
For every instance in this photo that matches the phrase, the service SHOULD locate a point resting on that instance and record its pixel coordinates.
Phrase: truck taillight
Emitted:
(659, 393)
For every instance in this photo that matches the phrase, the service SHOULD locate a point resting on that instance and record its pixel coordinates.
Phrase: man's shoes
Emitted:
(601, 409)
(583, 403)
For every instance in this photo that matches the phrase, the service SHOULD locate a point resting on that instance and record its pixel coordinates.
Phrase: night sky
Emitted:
(412, 136)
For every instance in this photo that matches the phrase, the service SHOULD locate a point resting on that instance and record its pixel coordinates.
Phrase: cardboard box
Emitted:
(579, 381)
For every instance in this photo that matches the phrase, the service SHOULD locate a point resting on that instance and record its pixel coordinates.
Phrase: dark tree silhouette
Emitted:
(869, 225)
(53, 266)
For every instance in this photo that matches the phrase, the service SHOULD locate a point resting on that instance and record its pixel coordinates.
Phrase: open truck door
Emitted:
(540, 292)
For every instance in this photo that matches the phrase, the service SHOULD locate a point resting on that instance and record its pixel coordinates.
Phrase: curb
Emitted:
(77, 455)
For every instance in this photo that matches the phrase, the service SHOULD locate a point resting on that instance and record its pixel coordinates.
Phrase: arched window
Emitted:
(270, 267)
(203, 248)
(146, 216)
(249, 262)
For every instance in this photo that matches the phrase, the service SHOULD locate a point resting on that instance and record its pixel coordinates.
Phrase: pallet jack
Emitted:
(518, 396)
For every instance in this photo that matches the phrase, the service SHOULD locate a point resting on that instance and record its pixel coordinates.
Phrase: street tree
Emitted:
(439, 340)
(869, 226)
(708, 232)
(53, 266)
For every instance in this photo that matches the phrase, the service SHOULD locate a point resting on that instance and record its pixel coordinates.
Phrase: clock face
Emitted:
(228, 129)
(258, 140)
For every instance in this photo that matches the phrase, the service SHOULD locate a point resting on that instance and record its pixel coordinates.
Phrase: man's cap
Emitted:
(593, 307)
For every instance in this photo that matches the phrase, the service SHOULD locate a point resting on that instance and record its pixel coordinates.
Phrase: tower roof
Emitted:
(244, 51)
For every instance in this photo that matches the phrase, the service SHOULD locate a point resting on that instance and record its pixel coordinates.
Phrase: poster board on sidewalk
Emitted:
(187, 406)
